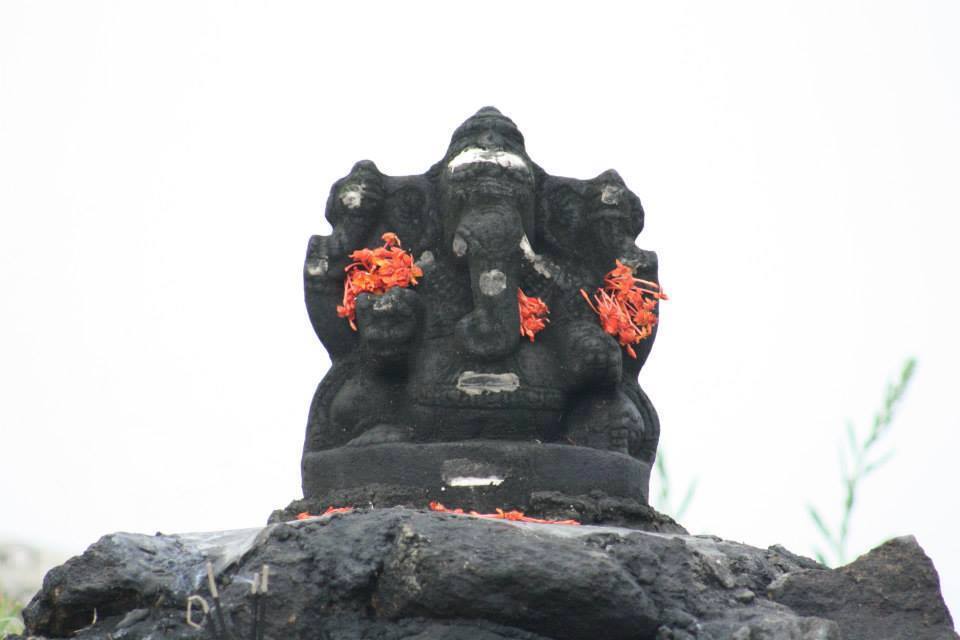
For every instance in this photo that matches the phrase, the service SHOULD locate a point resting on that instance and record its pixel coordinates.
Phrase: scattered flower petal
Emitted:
(516, 516)
(305, 515)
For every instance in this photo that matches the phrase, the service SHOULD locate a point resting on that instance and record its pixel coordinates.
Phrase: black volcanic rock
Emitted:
(401, 573)
(882, 594)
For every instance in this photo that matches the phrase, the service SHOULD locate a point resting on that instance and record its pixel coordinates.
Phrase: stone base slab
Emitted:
(479, 475)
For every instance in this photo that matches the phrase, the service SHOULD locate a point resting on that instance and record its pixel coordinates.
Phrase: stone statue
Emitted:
(503, 363)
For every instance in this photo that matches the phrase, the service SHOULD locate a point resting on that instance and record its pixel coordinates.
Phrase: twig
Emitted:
(215, 594)
(203, 605)
(92, 623)
(262, 600)
(255, 593)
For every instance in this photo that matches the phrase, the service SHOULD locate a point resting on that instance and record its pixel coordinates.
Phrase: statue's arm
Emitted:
(323, 277)
(646, 267)
(353, 209)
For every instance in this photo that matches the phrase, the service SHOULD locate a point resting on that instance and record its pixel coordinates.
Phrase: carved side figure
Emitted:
(364, 388)
(586, 228)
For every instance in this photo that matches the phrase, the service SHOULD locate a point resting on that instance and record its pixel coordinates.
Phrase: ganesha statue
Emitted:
(486, 324)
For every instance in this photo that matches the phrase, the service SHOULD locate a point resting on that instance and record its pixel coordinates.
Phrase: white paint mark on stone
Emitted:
(611, 194)
(426, 259)
(475, 481)
(537, 261)
(459, 246)
(527, 249)
(382, 303)
(492, 282)
(473, 383)
(631, 261)
(317, 267)
(473, 155)
(352, 195)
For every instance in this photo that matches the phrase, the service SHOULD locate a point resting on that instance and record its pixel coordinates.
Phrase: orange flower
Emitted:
(533, 315)
(516, 516)
(330, 510)
(376, 271)
(626, 306)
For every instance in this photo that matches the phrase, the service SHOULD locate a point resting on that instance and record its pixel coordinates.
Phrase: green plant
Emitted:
(857, 461)
(664, 499)
(10, 621)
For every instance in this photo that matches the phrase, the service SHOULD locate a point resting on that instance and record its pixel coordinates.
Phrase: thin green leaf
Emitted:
(661, 465)
(852, 437)
(687, 498)
(844, 470)
(818, 521)
(820, 556)
(856, 467)
(873, 466)
(907, 372)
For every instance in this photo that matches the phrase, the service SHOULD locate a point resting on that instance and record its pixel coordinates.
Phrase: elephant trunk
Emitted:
(488, 238)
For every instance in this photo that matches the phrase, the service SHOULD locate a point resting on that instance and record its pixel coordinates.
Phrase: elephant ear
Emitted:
(636, 212)
(561, 216)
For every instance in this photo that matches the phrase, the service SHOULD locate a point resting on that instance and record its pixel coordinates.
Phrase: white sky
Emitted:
(163, 164)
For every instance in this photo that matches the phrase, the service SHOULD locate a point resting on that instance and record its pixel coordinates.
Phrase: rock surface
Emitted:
(402, 573)
(595, 507)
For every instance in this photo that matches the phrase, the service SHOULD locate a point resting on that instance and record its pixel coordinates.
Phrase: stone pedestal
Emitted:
(479, 475)
(549, 481)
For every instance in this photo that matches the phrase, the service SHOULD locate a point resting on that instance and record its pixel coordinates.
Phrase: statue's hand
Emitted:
(321, 263)
(609, 422)
(388, 323)
(591, 356)
(644, 263)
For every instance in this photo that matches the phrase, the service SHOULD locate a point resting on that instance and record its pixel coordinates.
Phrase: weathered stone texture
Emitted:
(401, 573)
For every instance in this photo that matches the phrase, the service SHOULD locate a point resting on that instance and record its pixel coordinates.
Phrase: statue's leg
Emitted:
(607, 420)
(319, 429)
(644, 447)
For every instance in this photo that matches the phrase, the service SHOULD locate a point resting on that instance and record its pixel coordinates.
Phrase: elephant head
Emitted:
(487, 186)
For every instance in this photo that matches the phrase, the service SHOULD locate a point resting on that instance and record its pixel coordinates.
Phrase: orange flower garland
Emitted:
(533, 315)
(626, 306)
(376, 271)
(516, 516)
(306, 515)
